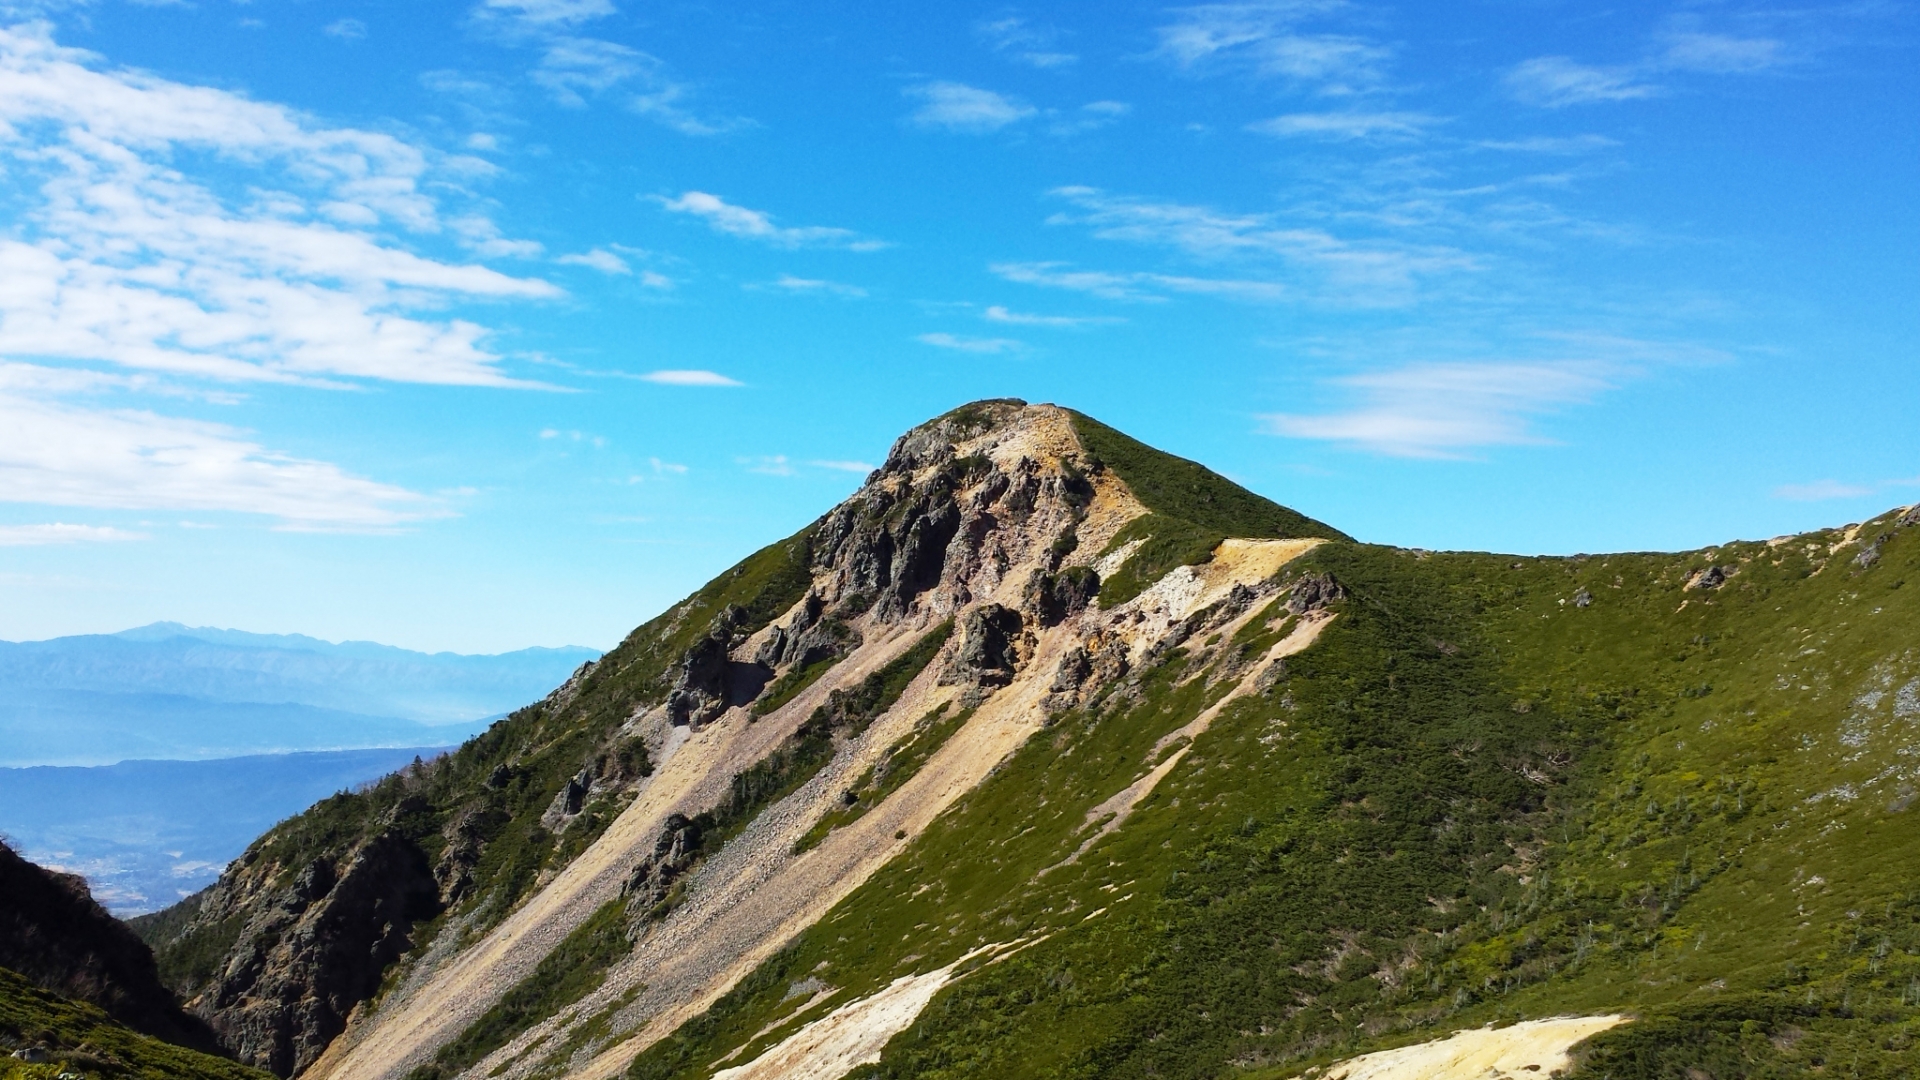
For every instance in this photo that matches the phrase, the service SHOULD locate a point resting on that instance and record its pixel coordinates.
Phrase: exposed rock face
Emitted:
(1054, 597)
(55, 934)
(1313, 592)
(1583, 598)
(676, 851)
(1712, 577)
(312, 950)
(991, 644)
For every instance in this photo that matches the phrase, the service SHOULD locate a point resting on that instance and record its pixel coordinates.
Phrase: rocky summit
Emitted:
(1047, 754)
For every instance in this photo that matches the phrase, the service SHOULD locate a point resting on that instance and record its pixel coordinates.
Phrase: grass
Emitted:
(574, 969)
(87, 1043)
(1471, 801)
(502, 780)
(1193, 509)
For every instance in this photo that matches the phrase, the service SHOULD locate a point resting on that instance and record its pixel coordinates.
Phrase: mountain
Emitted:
(1047, 754)
(171, 691)
(80, 993)
(146, 833)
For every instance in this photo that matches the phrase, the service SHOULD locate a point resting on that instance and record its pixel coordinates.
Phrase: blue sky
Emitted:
(486, 324)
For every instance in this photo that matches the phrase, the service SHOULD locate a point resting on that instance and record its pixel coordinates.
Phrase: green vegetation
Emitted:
(1194, 508)
(574, 969)
(788, 686)
(85, 1042)
(1495, 788)
(502, 781)
(899, 765)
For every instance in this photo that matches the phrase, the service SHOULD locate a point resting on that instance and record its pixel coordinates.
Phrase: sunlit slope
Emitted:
(1047, 754)
(1495, 788)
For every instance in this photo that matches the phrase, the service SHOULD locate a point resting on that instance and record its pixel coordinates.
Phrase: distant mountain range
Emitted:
(170, 691)
(146, 833)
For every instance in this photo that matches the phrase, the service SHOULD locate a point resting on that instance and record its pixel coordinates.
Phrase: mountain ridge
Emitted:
(1127, 796)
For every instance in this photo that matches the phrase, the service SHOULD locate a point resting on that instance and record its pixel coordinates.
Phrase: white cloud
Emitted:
(346, 29)
(61, 533)
(123, 257)
(1138, 286)
(1268, 39)
(1545, 144)
(968, 109)
(1821, 490)
(860, 467)
(1092, 116)
(999, 314)
(972, 344)
(1374, 271)
(815, 286)
(667, 468)
(1719, 54)
(598, 259)
(725, 217)
(767, 465)
(1348, 126)
(572, 67)
(1556, 81)
(1021, 41)
(55, 453)
(689, 378)
(547, 13)
(1443, 410)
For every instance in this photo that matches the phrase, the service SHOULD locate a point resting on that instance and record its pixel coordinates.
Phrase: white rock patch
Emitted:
(1531, 1048)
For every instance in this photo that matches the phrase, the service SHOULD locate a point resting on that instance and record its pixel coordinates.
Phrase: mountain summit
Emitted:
(1049, 754)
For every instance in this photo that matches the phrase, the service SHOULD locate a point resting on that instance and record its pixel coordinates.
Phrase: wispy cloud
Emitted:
(1137, 286)
(598, 259)
(1368, 271)
(1348, 126)
(1017, 39)
(346, 29)
(546, 13)
(1822, 490)
(667, 468)
(1446, 410)
(972, 344)
(800, 286)
(767, 464)
(1687, 49)
(999, 314)
(725, 217)
(57, 453)
(861, 467)
(124, 257)
(689, 378)
(574, 68)
(1557, 81)
(1271, 40)
(1545, 144)
(958, 107)
(61, 533)
(1092, 116)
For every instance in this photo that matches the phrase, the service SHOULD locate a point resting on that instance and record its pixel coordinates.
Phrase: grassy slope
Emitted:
(1472, 800)
(88, 1043)
(1194, 508)
(539, 747)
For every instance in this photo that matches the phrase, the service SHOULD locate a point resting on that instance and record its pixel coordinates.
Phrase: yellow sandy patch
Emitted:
(1531, 1048)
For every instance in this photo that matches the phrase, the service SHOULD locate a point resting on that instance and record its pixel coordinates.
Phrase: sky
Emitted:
(472, 326)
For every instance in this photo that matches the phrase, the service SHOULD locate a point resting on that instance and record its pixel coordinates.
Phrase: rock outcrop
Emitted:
(312, 948)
